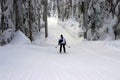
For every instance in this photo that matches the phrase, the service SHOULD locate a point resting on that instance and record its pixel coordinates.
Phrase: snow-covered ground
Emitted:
(55, 30)
(21, 60)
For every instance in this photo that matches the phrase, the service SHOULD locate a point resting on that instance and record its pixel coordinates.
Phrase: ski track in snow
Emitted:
(55, 30)
(97, 60)
(29, 62)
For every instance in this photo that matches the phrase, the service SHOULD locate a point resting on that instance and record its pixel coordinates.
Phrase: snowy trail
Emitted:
(55, 30)
(88, 62)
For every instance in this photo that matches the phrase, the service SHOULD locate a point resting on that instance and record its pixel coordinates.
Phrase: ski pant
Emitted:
(62, 46)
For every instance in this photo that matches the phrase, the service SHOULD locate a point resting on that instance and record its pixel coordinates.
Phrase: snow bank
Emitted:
(20, 38)
(6, 36)
(40, 39)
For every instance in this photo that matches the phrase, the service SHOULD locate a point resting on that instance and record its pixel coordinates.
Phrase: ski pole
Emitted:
(56, 46)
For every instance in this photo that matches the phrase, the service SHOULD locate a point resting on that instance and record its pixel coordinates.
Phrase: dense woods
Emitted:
(99, 19)
(25, 15)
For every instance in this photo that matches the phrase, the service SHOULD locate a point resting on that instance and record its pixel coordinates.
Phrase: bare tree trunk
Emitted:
(58, 8)
(79, 11)
(3, 8)
(2, 22)
(85, 18)
(45, 17)
(16, 13)
(30, 26)
(39, 17)
(70, 6)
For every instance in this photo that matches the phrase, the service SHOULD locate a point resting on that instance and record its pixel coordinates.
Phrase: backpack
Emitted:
(60, 41)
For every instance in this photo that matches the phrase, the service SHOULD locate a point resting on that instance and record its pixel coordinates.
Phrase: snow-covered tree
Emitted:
(29, 16)
(103, 19)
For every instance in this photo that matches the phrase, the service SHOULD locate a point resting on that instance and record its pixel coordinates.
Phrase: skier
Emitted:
(62, 43)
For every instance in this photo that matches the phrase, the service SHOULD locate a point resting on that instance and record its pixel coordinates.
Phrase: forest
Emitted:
(59, 39)
(98, 19)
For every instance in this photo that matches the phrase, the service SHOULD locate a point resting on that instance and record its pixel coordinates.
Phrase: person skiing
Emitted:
(62, 43)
